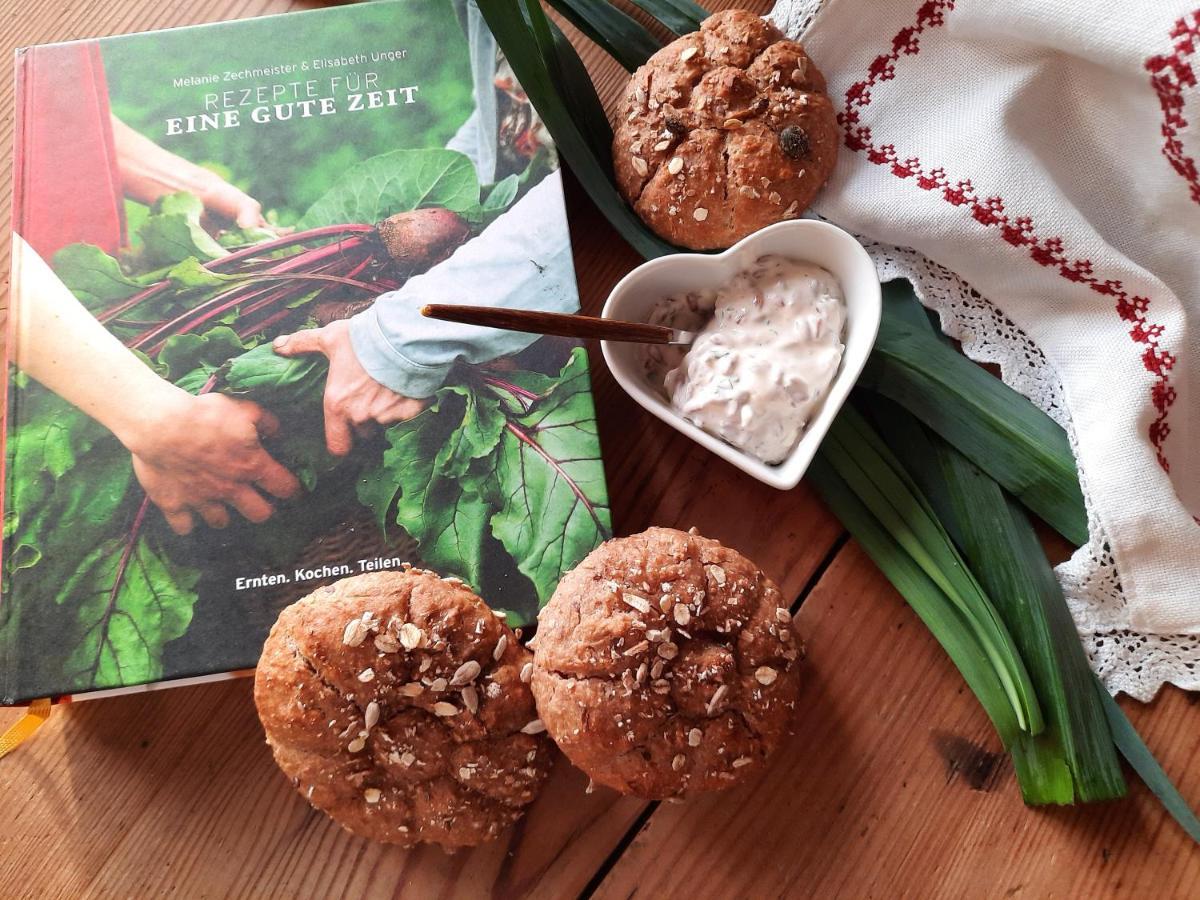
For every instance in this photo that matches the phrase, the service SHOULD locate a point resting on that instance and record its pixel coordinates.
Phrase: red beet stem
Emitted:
(113, 311)
(313, 276)
(288, 240)
(224, 262)
(265, 323)
(226, 300)
(220, 302)
(272, 296)
(513, 389)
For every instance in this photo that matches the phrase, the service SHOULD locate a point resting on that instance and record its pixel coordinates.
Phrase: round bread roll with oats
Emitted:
(666, 664)
(395, 703)
(723, 132)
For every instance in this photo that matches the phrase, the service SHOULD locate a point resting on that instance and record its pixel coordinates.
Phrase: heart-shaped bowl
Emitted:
(808, 240)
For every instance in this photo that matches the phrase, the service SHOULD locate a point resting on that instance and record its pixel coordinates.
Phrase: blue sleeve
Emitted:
(522, 259)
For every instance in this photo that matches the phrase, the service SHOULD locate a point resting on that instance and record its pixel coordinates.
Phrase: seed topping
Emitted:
(470, 698)
(466, 673)
(355, 633)
(411, 636)
(765, 675)
(717, 697)
(716, 573)
(386, 643)
(641, 604)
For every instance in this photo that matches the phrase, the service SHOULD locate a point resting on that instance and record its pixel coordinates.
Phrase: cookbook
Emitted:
(221, 393)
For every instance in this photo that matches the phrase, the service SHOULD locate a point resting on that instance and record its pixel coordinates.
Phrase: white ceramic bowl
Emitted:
(807, 240)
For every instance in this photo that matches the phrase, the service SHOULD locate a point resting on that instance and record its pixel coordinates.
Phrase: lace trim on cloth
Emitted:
(1127, 661)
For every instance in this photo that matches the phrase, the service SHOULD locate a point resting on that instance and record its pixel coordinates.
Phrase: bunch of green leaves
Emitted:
(96, 596)
(1018, 445)
(173, 246)
(103, 586)
(918, 543)
(498, 465)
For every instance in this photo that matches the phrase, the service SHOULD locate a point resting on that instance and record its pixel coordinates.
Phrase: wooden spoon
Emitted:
(561, 324)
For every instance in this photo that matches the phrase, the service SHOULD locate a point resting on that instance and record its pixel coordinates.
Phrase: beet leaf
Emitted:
(93, 276)
(413, 486)
(173, 232)
(131, 600)
(397, 182)
(554, 508)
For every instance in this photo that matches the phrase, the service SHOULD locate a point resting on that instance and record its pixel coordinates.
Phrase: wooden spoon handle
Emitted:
(535, 322)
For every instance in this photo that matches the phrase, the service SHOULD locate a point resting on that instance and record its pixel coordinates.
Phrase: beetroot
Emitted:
(418, 240)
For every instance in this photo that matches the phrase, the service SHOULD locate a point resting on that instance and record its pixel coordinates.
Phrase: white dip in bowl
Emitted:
(764, 359)
(693, 280)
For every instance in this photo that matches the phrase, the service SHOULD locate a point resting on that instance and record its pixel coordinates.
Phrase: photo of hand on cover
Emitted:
(194, 456)
(202, 456)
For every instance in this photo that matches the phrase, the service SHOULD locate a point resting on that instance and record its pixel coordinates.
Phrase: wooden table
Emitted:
(893, 784)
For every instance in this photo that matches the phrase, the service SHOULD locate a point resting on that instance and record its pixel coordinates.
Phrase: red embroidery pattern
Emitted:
(1019, 231)
(1170, 73)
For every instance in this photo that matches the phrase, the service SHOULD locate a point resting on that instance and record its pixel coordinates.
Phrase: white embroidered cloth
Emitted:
(1039, 159)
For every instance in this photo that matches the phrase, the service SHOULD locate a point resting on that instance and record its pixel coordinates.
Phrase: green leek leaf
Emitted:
(1139, 757)
(1001, 546)
(581, 98)
(927, 600)
(994, 426)
(862, 459)
(677, 16)
(621, 37)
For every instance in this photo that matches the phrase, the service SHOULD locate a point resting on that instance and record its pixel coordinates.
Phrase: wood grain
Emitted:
(175, 791)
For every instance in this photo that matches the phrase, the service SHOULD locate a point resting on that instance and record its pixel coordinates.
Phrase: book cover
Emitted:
(222, 395)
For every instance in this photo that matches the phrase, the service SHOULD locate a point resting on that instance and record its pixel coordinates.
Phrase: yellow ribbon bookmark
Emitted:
(24, 728)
